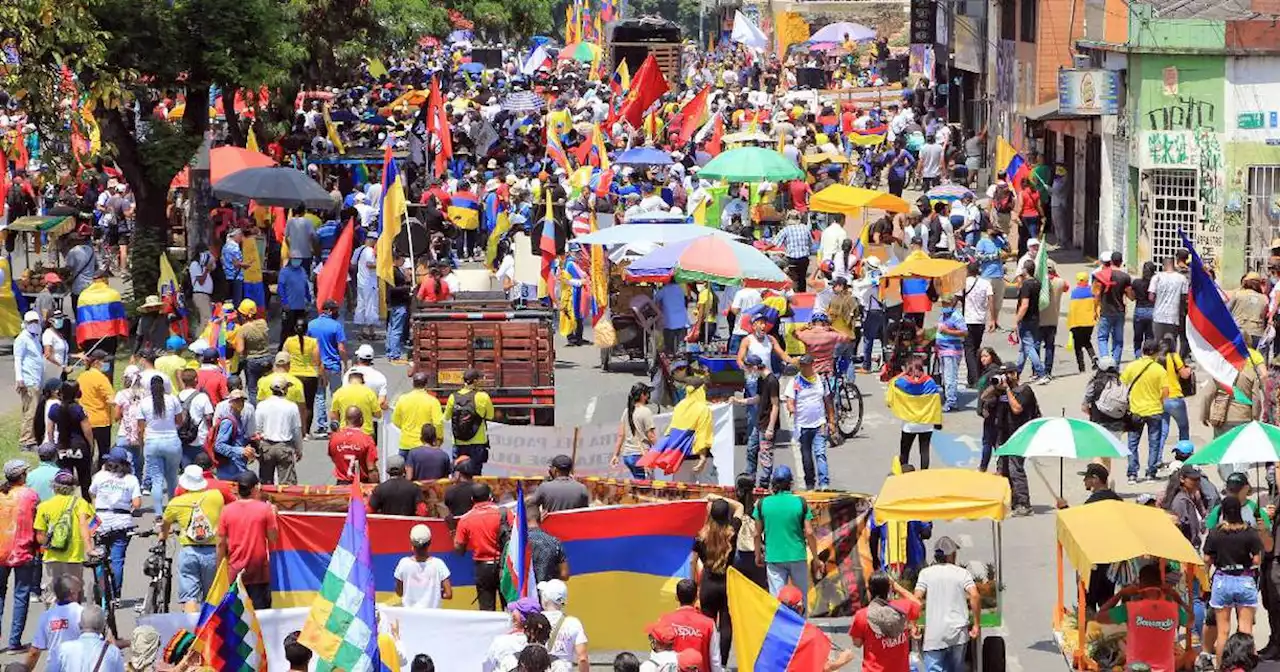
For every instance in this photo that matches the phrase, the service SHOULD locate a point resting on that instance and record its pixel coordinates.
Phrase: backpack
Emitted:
(199, 529)
(1113, 401)
(1003, 199)
(63, 527)
(189, 430)
(466, 419)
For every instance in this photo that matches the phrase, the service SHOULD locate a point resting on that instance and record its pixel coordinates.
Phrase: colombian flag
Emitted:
(464, 210)
(915, 295)
(391, 214)
(689, 434)
(100, 314)
(768, 636)
(1015, 167)
(914, 399)
(620, 83)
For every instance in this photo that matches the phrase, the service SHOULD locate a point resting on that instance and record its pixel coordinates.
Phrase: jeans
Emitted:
(1029, 348)
(872, 326)
(950, 380)
(26, 583)
(1048, 341)
(1111, 336)
(813, 454)
(779, 572)
(1152, 425)
(397, 320)
(135, 460)
(950, 659)
(637, 471)
(1175, 410)
(117, 543)
(331, 381)
(255, 369)
(759, 458)
(236, 287)
(1142, 329)
(163, 455)
(197, 566)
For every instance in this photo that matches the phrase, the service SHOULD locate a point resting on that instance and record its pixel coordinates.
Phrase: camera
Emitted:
(998, 380)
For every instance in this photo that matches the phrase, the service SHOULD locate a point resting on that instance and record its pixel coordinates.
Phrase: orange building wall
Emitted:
(1056, 31)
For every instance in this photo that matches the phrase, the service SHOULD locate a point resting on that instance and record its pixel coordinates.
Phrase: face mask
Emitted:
(106, 368)
(295, 262)
(33, 329)
(58, 323)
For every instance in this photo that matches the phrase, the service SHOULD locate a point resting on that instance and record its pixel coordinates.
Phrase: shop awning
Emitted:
(1113, 531)
(943, 494)
(1049, 111)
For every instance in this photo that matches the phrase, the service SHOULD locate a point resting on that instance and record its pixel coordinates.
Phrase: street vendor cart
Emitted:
(1101, 534)
(934, 495)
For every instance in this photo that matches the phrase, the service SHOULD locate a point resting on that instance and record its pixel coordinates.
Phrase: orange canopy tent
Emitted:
(224, 161)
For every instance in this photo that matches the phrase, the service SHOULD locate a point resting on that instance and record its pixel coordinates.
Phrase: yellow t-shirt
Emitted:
(413, 410)
(360, 396)
(48, 514)
(484, 406)
(96, 394)
(1149, 382)
(178, 512)
(170, 365)
(301, 362)
(295, 390)
(1172, 362)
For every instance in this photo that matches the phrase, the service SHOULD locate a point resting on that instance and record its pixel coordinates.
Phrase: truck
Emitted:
(512, 348)
(633, 40)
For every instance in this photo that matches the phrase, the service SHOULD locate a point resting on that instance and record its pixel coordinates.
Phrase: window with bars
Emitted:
(1262, 215)
(1171, 202)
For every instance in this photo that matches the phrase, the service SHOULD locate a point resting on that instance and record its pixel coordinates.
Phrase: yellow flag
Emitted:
(252, 143)
(217, 590)
(333, 133)
(376, 68)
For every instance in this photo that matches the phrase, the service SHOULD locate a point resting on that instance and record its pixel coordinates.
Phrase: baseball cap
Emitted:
(820, 317)
(791, 596)
(248, 307)
(1033, 242)
(805, 359)
(689, 659)
(15, 468)
(554, 590)
(1097, 471)
(118, 455)
(782, 473)
(30, 316)
(420, 535)
(64, 477)
(47, 452)
(840, 282)
(281, 384)
(525, 606)
(364, 352)
(237, 394)
(946, 546)
(562, 463)
(661, 632)
(395, 463)
(175, 343)
(283, 357)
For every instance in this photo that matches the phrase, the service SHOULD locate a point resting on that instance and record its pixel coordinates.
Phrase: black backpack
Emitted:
(189, 430)
(466, 419)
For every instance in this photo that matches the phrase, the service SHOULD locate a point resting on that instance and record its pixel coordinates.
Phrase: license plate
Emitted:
(450, 377)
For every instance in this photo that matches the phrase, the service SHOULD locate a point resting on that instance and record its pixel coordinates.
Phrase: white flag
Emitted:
(537, 58)
(747, 33)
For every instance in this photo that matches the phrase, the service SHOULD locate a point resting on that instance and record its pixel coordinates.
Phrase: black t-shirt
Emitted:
(1232, 550)
(1113, 294)
(700, 548)
(1030, 290)
(396, 497)
(1141, 297)
(457, 498)
(428, 464)
(1010, 421)
(768, 389)
(1102, 495)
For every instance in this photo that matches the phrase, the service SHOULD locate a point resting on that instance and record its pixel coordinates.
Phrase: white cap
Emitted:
(554, 591)
(198, 346)
(1033, 242)
(364, 352)
(31, 316)
(420, 535)
(192, 479)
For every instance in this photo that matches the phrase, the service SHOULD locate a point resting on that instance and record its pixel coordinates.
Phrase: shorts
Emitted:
(1233, 590)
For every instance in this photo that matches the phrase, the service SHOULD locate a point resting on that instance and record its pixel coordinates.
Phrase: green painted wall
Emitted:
(1192, 34)
(1201, 80)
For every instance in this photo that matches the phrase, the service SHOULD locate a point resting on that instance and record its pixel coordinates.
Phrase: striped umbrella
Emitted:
(523, 101)
(583, 52)
(708, 259)
(1249, 443)
(948, 193)
(1065, 438)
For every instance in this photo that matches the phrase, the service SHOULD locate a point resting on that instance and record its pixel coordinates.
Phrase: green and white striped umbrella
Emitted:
(1065, 438)
(1247, 444)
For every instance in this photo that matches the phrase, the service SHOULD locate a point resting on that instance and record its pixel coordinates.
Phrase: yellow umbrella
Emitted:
(839, 198)
(1113, 531)
(179, 109)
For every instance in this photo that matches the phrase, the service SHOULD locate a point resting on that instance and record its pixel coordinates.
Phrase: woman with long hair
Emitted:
(158, 430)
(116, 495)
(1143, 308)
(304, 362)
(637, 433)
(713, 553)
(744, 491)
(1234, 550)
(73, 435)
(1239, 654)
(988, 362)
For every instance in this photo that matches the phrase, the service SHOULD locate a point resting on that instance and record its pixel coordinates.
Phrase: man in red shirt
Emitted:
(799, 191)
(694, 630)
(1153, 613)
(478, 533)
(352, 451)
(883, 628)
(246, 531)
(210, 378)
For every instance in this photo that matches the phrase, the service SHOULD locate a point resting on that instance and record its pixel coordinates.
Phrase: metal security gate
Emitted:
(1262, 214)
(1170, 201)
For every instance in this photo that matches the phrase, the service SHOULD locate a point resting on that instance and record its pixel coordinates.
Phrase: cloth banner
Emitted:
(455, 640)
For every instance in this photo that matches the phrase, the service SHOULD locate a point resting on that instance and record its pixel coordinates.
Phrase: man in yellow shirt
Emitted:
(62, 530)
(282, 363)
(194, 516)
(414, 409)
(170, 363)
(355, 393)
(1148, 388)
(469, 411)
(98, 399)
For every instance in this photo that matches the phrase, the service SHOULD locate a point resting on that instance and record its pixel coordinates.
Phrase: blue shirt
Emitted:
(294, 288)
(796, 240)
(328, 333)
(989, 258)
(28, 360)
(81, 655)
(675, 315)
(229, 445)
(231, 255)
(949, 344)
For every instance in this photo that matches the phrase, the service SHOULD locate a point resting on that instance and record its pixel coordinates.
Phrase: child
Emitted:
(422, 580)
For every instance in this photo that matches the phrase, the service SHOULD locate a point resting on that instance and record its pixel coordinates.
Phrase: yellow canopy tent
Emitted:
(947, 274)
(840, 198)
(943, 494)
(813, 159)
(1114, 531)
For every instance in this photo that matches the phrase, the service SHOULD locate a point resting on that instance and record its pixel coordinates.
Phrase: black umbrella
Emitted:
(284, 187)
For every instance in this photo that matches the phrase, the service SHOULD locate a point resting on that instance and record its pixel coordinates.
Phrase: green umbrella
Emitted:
(751, 164)
(1249, 443)
(1064, 438)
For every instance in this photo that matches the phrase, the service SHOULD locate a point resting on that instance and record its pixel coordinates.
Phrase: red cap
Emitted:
(662, 632)
(790, 596)
(689, 659)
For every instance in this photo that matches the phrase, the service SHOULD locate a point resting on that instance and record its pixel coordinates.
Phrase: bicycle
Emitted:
(104, 590)
(846, 397)
(159, 571)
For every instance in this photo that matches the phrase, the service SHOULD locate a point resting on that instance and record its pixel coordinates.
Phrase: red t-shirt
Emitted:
(885, 655)
(799, 191)
(478, 531)
(693, 631)
(214, 384)
(1153, 630)
(1030, 200)
(349, 447)
(227, 488)
(428, 291)
(244, 525)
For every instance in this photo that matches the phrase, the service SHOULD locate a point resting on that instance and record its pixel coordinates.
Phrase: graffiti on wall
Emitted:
(1185, 114)
(1168, 149)
(1212, 168)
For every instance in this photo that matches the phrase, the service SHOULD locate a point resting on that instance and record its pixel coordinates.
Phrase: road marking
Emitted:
(591, 410)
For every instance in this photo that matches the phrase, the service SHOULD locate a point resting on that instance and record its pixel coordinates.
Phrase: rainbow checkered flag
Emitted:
(230, 639)
(342, 628)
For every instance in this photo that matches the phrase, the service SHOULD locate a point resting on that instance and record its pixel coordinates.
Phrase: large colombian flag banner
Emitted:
(635, 551)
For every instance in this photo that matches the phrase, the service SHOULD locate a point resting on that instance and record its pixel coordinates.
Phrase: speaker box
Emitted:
(489, 58)
(895, 70)
(811, 78)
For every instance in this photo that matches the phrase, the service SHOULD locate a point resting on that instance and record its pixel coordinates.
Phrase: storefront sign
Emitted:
(924, 21)
(1249, 120)
(1088, 92)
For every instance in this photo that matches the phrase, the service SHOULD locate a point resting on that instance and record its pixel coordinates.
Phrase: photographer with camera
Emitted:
(1012, 404)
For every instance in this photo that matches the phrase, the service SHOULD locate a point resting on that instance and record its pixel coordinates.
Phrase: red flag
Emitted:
(438, 124)
(716, 145)
(694, 114)
(646, 87)
(332, 282)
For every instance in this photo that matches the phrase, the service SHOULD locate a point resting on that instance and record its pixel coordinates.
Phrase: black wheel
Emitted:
(849, 412)
(993, 659)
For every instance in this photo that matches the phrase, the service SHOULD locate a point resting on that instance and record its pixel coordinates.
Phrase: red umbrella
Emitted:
(224, 161)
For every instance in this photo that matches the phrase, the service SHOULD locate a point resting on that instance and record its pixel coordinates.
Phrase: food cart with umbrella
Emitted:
(951, 495)
(751, 165)
(840, 199)
(921, 275)
(54, 226)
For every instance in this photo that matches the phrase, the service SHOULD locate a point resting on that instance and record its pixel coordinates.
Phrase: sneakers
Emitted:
(1021, 511)
(1133, 480)
(1044, 380)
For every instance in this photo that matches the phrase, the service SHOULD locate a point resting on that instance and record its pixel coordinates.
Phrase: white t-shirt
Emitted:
(113, 499)
(507, 271)
(1168, 287)
(196, 269)
(809, 396)
(50, 427)
(746, 298)
(200, 409)
(59, 624)
(52, 339)
(503, 646)
(366, 277)
(157, 426)
(571, 635)
(660, 661)
(977, 300)
(422, 581)
(146, 377)
(946, 605)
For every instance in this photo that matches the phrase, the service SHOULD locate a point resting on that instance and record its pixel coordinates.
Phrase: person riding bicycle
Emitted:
(821, 342)
(116, 495)
(194, 515)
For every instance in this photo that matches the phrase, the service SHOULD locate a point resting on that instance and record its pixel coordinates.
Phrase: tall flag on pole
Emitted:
(230, 639)
(555, 150)
(100, 314)
(620, 83)
(217, 590)
(547, 242)
(1011, 162)
(599, 278)
(391, 218)
(438, 127)
(716, 144)
(332, 133)
(646, 87)
(517, 560)
(252, 143)
(1214, 337)
(342, 628)
(694, 115)
(167, 289)
(332, 281)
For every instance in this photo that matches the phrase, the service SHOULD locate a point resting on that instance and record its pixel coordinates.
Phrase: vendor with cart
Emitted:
(1153, 612)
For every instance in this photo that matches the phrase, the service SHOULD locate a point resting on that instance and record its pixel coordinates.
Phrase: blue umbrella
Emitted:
(523, 101)
(644, 156)
(472, 68)
(346, 116)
